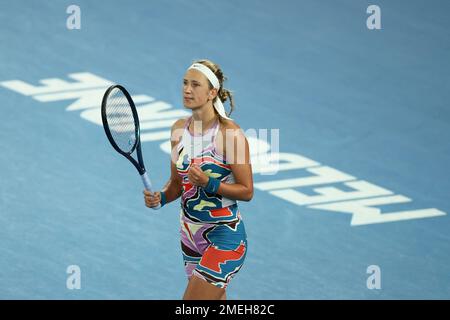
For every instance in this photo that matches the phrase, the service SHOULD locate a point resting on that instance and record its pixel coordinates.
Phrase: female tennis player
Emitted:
(211, 171)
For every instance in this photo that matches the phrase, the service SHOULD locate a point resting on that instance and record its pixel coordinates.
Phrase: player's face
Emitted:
(196, 90)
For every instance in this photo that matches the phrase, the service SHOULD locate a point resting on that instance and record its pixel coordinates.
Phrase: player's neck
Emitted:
(206, 119)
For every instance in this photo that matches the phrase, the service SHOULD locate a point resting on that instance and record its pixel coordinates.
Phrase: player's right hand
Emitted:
(152, 199)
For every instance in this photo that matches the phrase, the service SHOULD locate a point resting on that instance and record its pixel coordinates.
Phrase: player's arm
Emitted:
(238, 155)
(173, 187)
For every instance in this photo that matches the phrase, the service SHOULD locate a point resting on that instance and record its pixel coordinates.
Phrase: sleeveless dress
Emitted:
(213, 237)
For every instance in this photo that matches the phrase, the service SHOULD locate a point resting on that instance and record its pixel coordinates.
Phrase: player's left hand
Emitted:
(196, 176)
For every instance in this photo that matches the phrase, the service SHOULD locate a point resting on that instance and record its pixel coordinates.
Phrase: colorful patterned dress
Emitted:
(213, 237)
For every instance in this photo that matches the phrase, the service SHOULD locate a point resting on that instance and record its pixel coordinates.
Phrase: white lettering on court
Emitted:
(85, 94)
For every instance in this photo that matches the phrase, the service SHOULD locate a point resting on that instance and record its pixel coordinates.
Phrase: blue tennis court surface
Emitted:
(363, 120)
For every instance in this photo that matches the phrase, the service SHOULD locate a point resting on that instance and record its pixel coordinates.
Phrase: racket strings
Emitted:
(121, 120)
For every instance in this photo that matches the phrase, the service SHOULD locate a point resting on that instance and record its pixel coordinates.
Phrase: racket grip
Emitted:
(148, 186)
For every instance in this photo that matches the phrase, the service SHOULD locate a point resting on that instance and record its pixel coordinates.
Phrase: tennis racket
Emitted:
(121, 123)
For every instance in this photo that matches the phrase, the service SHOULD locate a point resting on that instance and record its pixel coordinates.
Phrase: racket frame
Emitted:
(137, 145)
(139, 165)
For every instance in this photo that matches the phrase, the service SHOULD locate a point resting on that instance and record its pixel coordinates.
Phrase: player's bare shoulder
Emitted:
(179, 123)
(177, 130)
(228, 130)
(228, 125)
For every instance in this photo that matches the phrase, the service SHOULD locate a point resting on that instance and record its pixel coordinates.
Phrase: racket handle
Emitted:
(148, 186)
